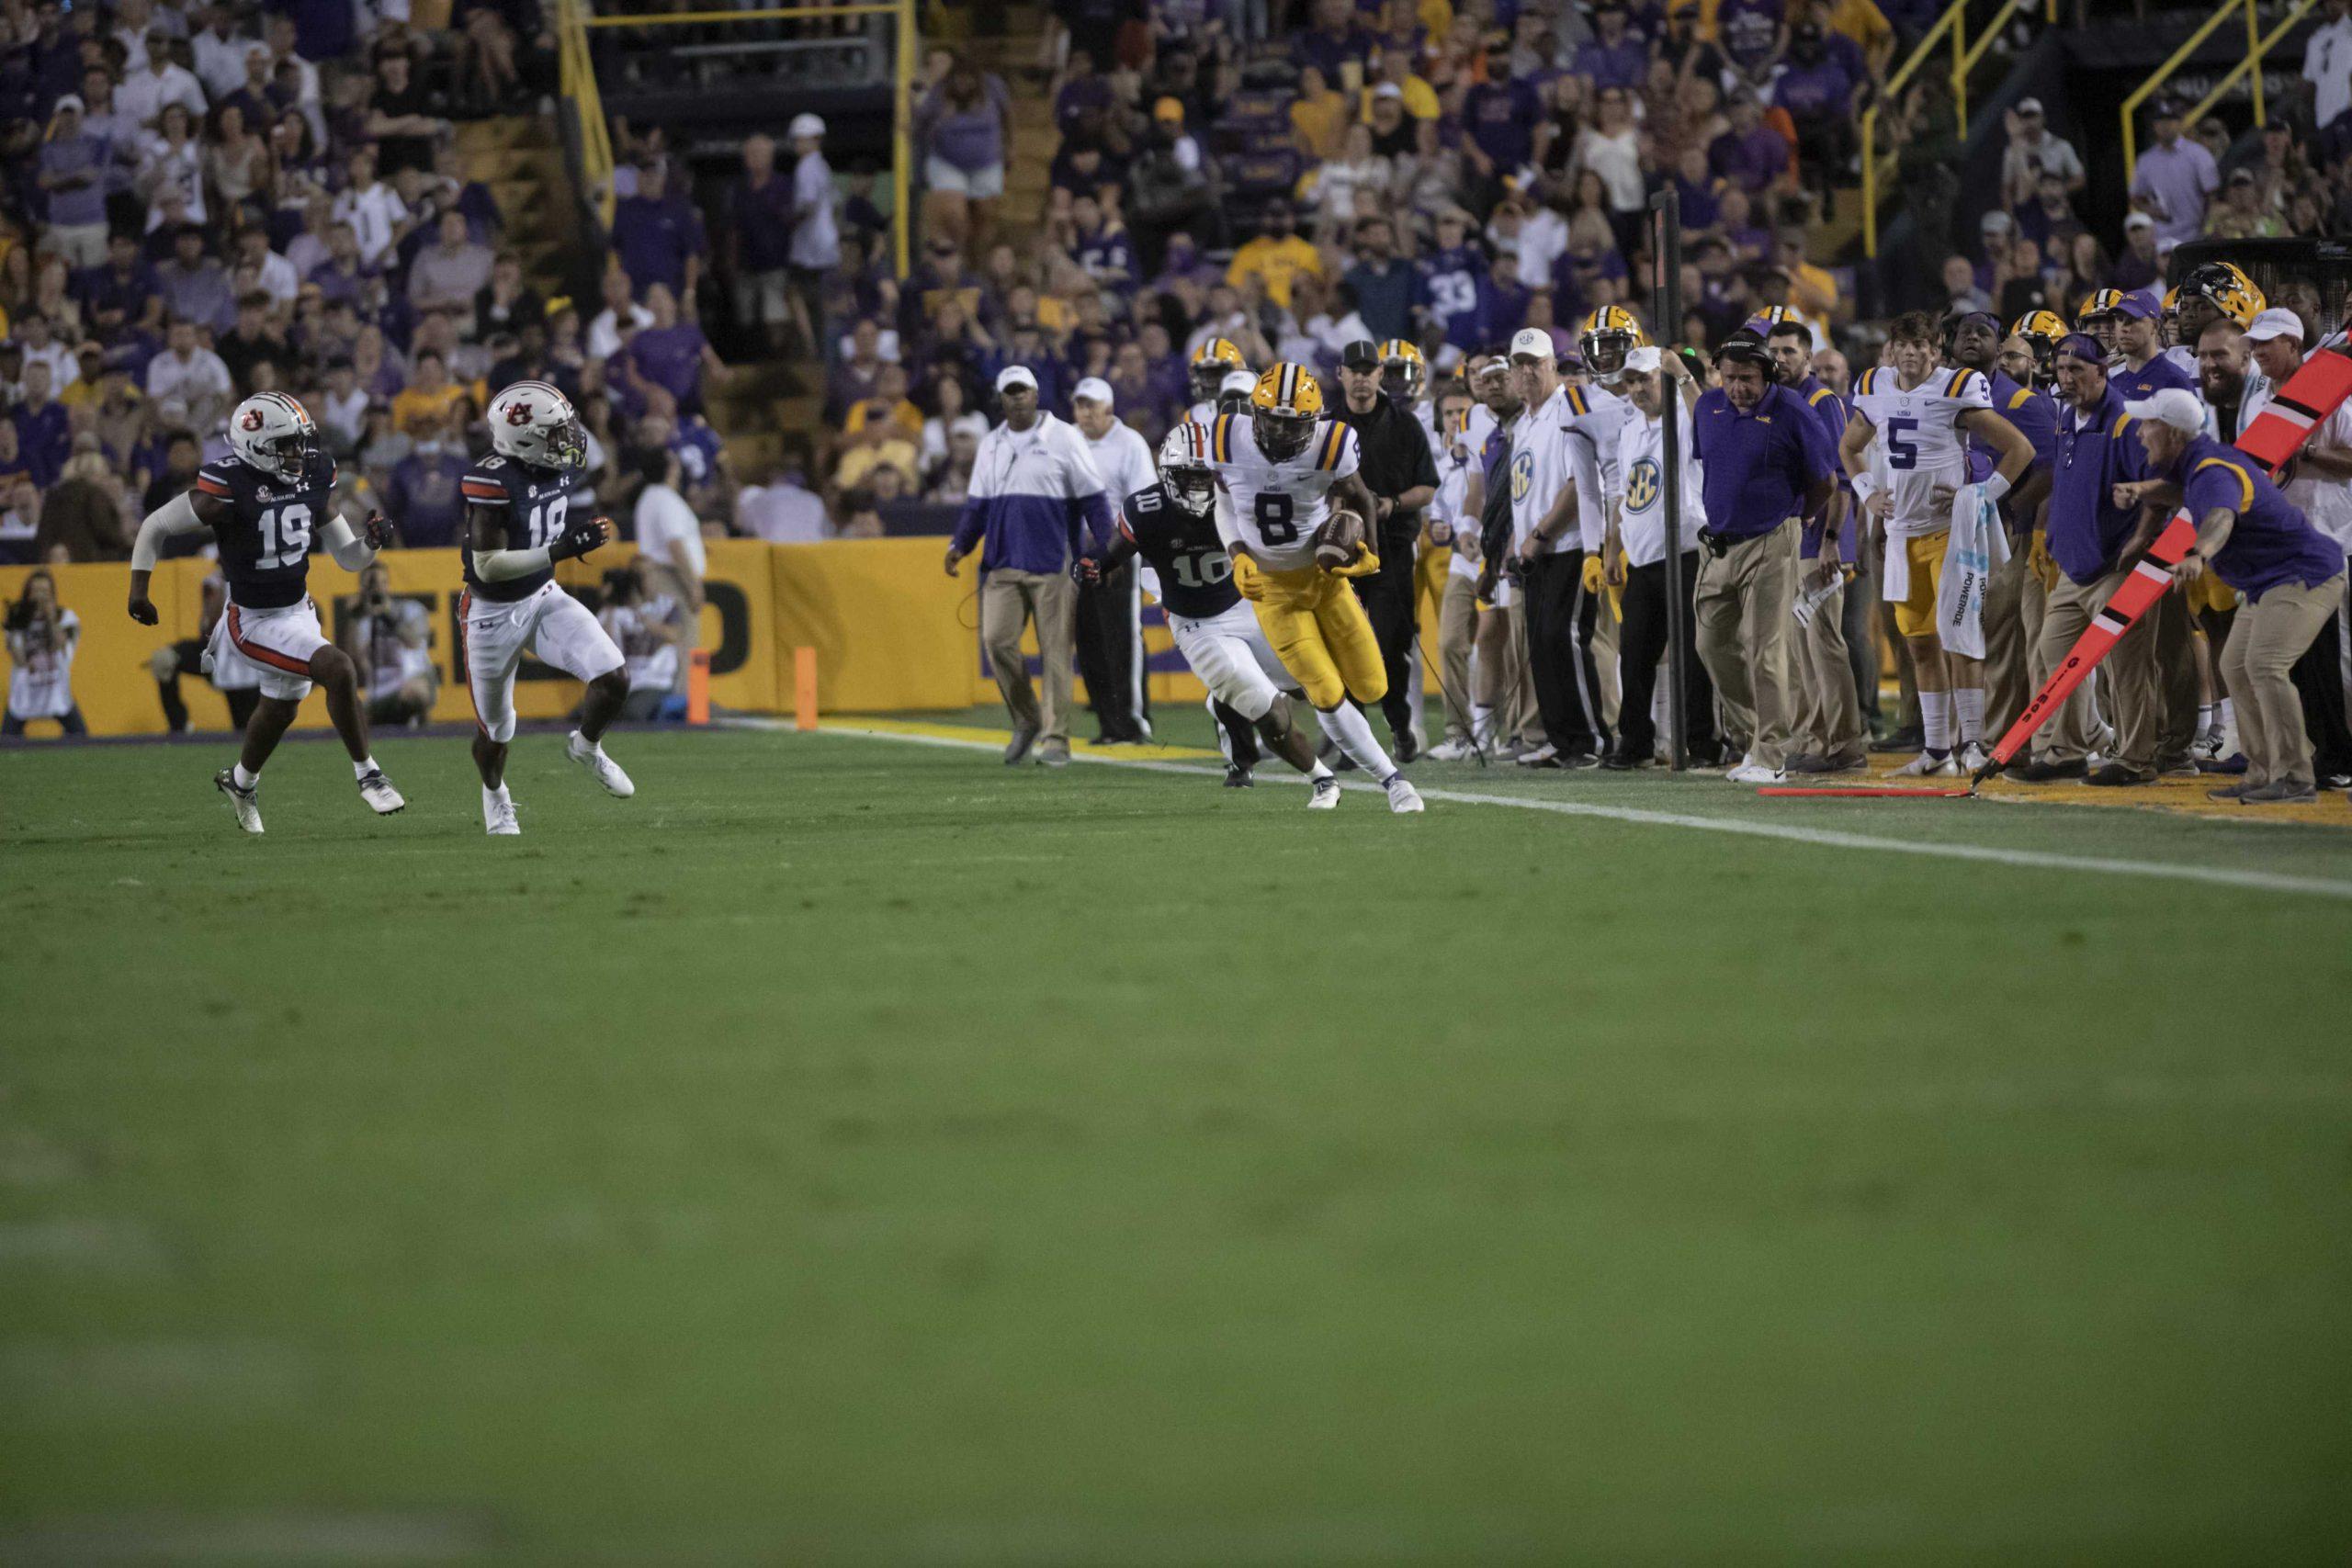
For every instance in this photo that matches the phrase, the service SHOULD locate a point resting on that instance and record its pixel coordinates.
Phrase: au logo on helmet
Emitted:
(251, 420)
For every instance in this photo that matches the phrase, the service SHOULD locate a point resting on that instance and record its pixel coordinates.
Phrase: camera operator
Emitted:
(646, 626)
(392, 641)
(42, 640)
(239, 686)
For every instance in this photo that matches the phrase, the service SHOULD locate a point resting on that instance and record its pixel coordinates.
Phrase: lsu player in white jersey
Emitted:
(1281, 472)
(1596, 415)
(1204, 376)
(1920, 413)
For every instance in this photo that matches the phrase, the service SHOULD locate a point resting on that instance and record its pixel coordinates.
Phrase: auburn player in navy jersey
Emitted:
(517, 506)
(1172, 526)
(264, 504)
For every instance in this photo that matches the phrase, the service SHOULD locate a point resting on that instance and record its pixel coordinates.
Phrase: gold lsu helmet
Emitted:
(2225, 287)
(1609, 334)
(1212, 363)
(2098, 305)
(1284, 410)
(2042, 330)
(1403, 371)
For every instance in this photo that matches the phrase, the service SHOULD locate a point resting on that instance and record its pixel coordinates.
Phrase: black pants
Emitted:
(1641, 643)
(1560, 619)
(1387, 599)
(2319, 680)
(71, 723)
(1107, 655)
(189, 659)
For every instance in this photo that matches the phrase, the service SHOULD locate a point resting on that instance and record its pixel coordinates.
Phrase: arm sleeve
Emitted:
(349, 550)
(500, 565)
(177, 515)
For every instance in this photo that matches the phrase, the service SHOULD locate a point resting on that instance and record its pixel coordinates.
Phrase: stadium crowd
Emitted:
(220, 200)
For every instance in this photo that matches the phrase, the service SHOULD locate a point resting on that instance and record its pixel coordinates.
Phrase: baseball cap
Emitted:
(2137, 306)
(2168, 109)
(805, 125)
(1094, 390)
(2029, 106)
(2175, 406)
(1644, 360)
(2276, 322)
(2138, 220)
(1364, 355)
(1240, 381)
(68, 101)
(2241, 176)
(1388, 90)
(1169, 109)
(2085, 347)
(1997, 222)
(1532, 343)
(1014, 376)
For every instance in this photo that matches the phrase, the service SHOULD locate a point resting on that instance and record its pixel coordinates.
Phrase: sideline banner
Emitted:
(892, 632)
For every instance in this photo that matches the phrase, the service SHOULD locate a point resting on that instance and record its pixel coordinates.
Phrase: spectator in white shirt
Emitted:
(669, 543)
(191, 374)
(376, 215)
(620, 317)
(2327, 66)
(144, 92)
(219, 52)
(2032, 153)
(274, 273)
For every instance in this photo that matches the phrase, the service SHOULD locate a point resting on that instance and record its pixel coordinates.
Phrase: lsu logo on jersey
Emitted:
(1641, 485)
(1523, 474)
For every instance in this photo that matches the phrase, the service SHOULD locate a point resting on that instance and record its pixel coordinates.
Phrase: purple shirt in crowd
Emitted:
(670, 357)
(2179, 178)
(1750, 162)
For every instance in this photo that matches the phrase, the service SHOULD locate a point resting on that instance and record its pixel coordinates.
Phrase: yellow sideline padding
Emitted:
(892, 631)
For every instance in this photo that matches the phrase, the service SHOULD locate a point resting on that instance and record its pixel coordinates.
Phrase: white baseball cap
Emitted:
(1535, 343)
(1644, 360)
(1015, 376)
(2276, 322)
(1240, 381)
(805, 125)
(1094, 390)
(2175, 406)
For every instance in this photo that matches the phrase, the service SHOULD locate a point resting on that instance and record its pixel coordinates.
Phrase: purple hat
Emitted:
(2137, 306)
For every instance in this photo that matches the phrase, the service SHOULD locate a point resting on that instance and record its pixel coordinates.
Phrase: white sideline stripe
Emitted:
(1827, 838)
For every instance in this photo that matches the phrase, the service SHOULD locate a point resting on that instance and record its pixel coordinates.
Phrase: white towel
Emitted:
(1975, 547)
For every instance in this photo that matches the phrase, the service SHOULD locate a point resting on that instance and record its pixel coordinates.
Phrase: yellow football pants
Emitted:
(1319, 632)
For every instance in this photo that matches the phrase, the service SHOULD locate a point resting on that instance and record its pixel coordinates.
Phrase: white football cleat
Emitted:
(498, 816)
(1323, 793)
(1747, 761)
(591, 756)
(1928, 766)
(1974, 757)
(1449, 752)
(1402, 796)
(1754, 773)
(247, 801)
(378, 791)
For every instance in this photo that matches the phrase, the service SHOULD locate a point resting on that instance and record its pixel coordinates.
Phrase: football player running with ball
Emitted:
(1172, 526)
(1281, 469)
(262, 505)
(515, 532)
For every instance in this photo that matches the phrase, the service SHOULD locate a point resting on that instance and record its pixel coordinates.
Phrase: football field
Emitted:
(852, 1150)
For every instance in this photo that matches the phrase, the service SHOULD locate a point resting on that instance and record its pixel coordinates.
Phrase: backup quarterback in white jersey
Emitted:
(1919, 428)
(1596, 415)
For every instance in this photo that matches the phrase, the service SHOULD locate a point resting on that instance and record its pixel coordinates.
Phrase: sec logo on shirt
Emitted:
(1641, 485)
(1523, 474)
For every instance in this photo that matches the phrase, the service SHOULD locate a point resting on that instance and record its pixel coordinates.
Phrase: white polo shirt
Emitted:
(1542, 465)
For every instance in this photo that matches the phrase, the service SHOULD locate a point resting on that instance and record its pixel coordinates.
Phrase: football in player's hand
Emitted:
(1339, 541)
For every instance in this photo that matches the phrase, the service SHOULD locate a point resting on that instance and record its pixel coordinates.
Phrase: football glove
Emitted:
(579, 539)
(1248, 580)
(1086, 571)
(1366, 564)
(376, 532)
(1595, 577)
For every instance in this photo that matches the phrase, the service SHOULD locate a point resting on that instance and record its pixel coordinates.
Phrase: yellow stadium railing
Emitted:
(583, 98)
(2259, 46)
(1950, 30)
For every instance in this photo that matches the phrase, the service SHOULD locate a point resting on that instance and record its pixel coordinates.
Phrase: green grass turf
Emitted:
(854, 1151)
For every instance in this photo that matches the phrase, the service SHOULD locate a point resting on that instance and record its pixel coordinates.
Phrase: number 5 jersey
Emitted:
(1919, 432)
(264, 542)
(534, 501)
(1276, 507)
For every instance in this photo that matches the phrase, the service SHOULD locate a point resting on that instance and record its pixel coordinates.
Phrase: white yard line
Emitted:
(1827, 838)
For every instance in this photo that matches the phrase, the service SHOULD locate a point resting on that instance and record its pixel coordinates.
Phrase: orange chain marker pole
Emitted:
(804, 688)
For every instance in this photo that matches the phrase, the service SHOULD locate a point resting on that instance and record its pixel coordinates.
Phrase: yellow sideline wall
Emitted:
(892, 632)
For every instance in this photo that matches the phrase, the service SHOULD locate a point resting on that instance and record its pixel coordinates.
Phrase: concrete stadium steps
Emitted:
(768, 411)
(520, 158)
(1013, 56)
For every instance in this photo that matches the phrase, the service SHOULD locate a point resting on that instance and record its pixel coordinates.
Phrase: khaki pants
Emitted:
(1457, 629)
(1830, 720)
(2269, 635)
(2179, 690)
(2134, 699)
(2013, 605)
(1009, 600)
(1742, 607)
